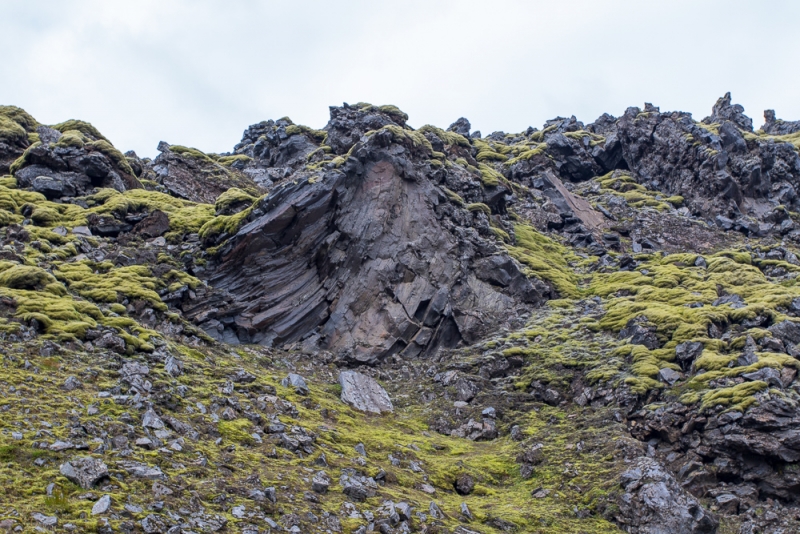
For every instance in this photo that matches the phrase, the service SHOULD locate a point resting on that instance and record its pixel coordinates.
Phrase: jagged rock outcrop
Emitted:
(369, 260)
(723, 111)
(752, 450)
(775, 126)
(654, 503)
(277, 148)
(192, 175)
(72, 163)
(571, 150)
(713, 165)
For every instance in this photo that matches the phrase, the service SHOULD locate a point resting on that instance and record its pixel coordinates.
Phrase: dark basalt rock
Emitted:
(723, 111)
(194, 176)
(368, 261)
(154, 225)
(461, 127)
(654, 503)
(640, 332)
(716, 173)
(70, 171)
(775, 126)
(349, 123)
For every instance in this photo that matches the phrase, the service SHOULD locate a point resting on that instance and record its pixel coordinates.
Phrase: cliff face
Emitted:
(369, 259)
(371, 327)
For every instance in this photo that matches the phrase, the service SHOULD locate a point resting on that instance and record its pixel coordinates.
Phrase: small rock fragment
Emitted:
(102, 505)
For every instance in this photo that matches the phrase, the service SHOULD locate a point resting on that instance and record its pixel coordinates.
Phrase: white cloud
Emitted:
(198, 72)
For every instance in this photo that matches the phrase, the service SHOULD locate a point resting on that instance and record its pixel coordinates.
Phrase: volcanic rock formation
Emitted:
(583, 328)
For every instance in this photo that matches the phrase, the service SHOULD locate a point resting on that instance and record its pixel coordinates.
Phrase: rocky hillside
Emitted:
(376, 328)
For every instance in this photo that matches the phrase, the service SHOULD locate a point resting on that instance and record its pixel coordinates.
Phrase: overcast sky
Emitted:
(198, 72)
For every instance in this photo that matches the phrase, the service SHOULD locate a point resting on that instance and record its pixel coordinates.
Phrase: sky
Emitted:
(198, 72)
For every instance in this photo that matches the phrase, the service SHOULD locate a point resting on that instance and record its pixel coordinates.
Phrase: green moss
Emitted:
(448, 138)
(488, 152)
(413, 139)
(230, 160)
(479, 206)
(84, 127)
(394, 112)
(103, 283)
(23, 159)
(117, 308)
(238, 430)
(738, 397)
(23, 276)
(545, 259)
(580, 134)
(224, 224)
(191, 152)
(317, 135)
(499, 232)
(453, 196)
(11, 132)
(184, 217)
(661, 291)
(234, 195)
(72, 139)
(7, 217)
(622, 184)
(528, 153)
(19, 116)
(489, 176)
(713, 127)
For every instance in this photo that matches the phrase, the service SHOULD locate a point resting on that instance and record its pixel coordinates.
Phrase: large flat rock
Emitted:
(364, 393)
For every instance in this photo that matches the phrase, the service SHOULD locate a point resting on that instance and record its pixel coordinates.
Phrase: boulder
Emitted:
(364, 393)
(321, 482)
(461, 127)
(774, 126)
(786, 331)
(464, 484)
(85, 471)
(297, 382)
(356, 487)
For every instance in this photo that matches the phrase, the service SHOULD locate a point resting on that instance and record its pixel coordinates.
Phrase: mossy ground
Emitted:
(34, 405)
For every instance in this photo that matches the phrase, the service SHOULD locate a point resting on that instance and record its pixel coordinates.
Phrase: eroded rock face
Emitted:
(277, 148)
(755, 447)
(369, 260)
(349, 123)
(654, 503)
